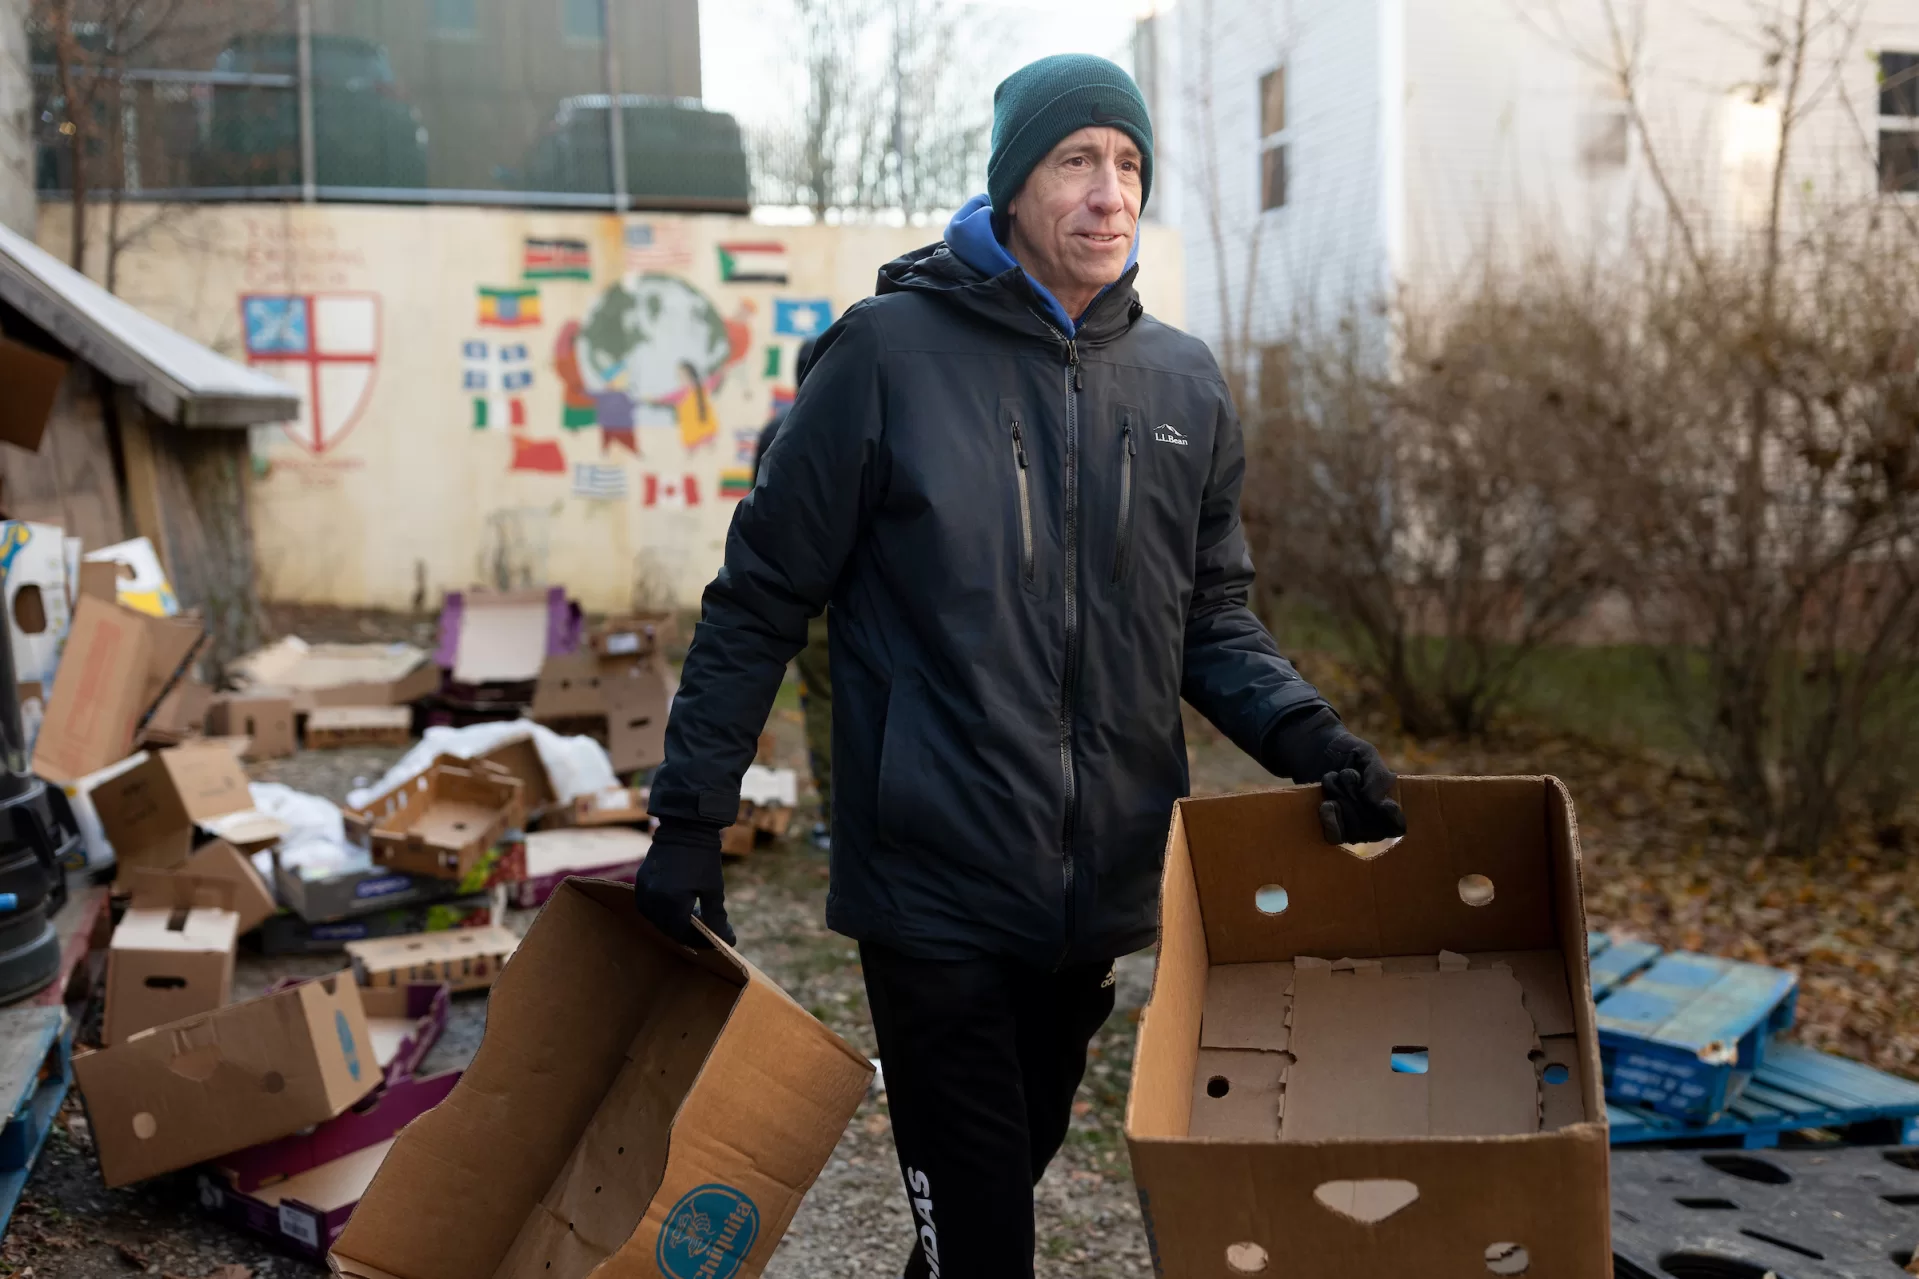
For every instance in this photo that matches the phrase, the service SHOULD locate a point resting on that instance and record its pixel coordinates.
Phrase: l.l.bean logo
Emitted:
(708, 1233)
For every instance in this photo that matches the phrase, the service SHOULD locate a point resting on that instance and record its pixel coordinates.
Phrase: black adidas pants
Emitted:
(981, 1059)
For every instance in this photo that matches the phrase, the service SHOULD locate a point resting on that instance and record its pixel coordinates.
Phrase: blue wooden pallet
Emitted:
(1612, 962)
(1795, 1088)
(1685, 1034)
(36, 1069)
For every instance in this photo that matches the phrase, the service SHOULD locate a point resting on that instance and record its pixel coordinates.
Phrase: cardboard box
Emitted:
(220, 861)
(96, 581)
(1336, 1074)
(501, 636)
(359, 892)
(521, 758)
(299, 1191)
(191, 1090)
(141, 580)
(463, 958)
(150, 811)
(568, 688)
(403, 1022)
(175, 643)
(641, 635)
(600, 1116)
(33, 575)
(288, 934)
(172, 953)
(317, 675)
(444, 822)
(265, 718)
(615, 806)
(181, 714)
(98, 695)
(32, 378)
(603, 852)
(331, 728)
(637, 696)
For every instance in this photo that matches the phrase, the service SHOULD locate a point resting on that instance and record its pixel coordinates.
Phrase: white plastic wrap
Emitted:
(315, 845)
(574, 765)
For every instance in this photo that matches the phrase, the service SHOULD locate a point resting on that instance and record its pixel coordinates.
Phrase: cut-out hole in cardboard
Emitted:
(1218, 1086)
(1787, 1244)
(166, 983)
(1245, 1258)
(1507, 1259)
(273, 1082)
(1556, 1074)
(1367, 1202)
(1271, 900)
(1476, 890)
(1748, 1168)
(1409, 1059)
(29, 610)
(145, 1125)
(1707, 1265)
(196, 1064)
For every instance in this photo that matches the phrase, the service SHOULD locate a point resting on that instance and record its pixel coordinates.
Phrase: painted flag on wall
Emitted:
(801, 318)
(492, 412)
(735, 483)
(557, 260)
(656, 246)
(599, 482)
(753, 262)
(509, 308)
(670, 491)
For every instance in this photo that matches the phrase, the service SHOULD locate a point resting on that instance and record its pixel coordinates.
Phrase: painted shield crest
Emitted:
(326, 346)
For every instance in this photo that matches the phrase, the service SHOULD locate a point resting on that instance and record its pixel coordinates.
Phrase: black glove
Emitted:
(1358, 807)
(679, 879)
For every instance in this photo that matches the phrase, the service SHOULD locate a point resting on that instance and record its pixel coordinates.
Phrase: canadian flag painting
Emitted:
(670, 491)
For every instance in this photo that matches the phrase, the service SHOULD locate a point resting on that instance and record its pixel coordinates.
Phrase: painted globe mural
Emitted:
(651, 337)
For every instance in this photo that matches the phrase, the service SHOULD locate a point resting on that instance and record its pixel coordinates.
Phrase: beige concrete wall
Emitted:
(395, 494)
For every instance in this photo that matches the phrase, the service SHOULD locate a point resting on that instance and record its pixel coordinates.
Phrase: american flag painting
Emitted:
(656, 246)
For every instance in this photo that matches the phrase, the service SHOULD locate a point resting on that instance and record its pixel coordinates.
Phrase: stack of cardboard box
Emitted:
(615, 689)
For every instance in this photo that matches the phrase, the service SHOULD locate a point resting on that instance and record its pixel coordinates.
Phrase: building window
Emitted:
(456, 18)
(583, 19)
(1899, 123)
(1273, 139)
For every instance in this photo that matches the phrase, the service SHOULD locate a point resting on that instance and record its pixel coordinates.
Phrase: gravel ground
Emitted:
(854, 1222)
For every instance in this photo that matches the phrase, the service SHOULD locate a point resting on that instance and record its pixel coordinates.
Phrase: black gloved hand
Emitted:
(680, 878)
(1358, 807)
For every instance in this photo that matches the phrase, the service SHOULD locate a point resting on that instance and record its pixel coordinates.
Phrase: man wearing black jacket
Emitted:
(1020, 496)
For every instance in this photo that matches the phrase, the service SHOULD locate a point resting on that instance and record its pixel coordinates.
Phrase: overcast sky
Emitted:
(741, 49)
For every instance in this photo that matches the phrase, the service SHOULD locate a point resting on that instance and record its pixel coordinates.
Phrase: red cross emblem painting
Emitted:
(326, 346)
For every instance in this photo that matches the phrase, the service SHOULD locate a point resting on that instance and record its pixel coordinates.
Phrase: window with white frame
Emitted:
(1273, 139)
(1899, 122)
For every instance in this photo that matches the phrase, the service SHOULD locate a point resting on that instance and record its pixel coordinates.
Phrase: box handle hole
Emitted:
(1556, 1074)
(1476, 890)
(1367, 1202)
(1507, 1259)
(1271, 900)
(1409, 1059)
(1245, 1258)
(1218, 1086)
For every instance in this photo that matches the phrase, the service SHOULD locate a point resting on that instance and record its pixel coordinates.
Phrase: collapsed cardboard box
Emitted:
(181, 714)
(98, 696)
(403, 1023)
(332, 728)
(521, 758)
(679, 1100)
(462, 958)
(172, 952)
(288, 934)
(149, 812)
(190, 1090)
(354, 892)
(264, 719)
(622, 701)
(250, 898)
(299, 1191)
(446, 822)
(1361, 1068)
(317, 675)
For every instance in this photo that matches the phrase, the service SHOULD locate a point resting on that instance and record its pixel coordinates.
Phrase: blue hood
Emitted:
(970, 236)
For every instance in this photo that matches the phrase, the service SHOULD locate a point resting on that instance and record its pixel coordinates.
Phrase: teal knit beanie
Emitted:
(1047, 100)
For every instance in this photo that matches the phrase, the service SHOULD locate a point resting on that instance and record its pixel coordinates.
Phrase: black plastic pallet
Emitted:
(1843, 1212)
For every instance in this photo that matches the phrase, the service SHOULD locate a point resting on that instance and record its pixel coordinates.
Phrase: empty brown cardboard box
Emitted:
(337, 727)
(32, 378)
(502, 636)
(181, 714)
(98, 694)
(521, 758)
(265, 719)
(149, 811)
(172, 953)
(1342, 1072)
(445, 821)
(316, 675)
(601, 1115)
(190, 1090)
(463, 958)
(251, 899)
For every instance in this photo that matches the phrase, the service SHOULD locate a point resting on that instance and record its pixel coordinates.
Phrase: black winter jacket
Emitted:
(1032, 550)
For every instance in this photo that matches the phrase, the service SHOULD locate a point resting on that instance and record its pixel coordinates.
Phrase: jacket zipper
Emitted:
(1025, 506)
(1069, 680)
(1125, 552)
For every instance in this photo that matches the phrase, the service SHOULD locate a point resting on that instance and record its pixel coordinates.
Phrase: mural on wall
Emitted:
(670, 490)
(324, 345)
(736, 481)
(657, 247)
(556, 260)
(499, 375)
(599, 482)
(752, 262)
(650, 351)
(802, 317)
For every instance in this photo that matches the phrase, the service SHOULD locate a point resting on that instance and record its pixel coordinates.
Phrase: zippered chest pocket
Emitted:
(1013, 422)
(1129, 433)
